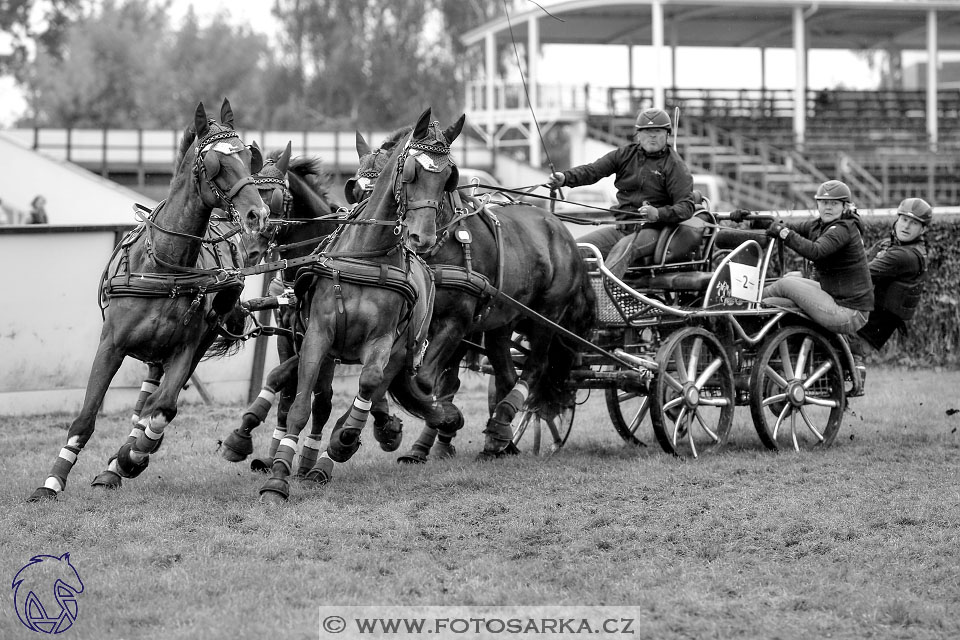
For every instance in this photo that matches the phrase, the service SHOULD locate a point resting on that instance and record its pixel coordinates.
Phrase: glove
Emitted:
(739, 215)
(556, 180)
(649, 213)
(777, 230)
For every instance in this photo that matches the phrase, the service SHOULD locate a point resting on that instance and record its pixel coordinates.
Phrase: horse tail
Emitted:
(548, 380)
(229, 339)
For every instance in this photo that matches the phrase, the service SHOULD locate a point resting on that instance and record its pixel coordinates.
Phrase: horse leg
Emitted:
(106, 363)
(147, 388)
(134, 455)
(316, 344)
(345, 438)
(239, 444)
(310, 467)
(387, 427)
(498, 432)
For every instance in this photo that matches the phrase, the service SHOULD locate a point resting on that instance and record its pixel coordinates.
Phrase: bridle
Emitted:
(431, 156)
(207, 166)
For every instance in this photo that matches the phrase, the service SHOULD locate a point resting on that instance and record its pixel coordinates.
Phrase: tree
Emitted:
(32, 24)
(375, 63)
(125, 67)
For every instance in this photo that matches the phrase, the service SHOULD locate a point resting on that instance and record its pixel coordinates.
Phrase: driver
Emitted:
(654, 187)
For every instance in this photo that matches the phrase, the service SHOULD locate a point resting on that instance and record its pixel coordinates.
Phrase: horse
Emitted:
(243, 250)
(307, 210)
(370, 297)
(528, 254)
(157, 305)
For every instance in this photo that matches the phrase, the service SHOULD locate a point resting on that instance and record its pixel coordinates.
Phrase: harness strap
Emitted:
(340, 330)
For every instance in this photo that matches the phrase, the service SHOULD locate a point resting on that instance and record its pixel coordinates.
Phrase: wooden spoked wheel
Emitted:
(797, 397)
(692, 397)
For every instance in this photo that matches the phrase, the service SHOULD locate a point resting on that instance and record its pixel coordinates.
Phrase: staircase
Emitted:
(761, 176)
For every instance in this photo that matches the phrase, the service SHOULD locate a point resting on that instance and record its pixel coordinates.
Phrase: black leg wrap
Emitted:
(499, 440)
(126, 466)
(388, 430)
(42, 494)
(261, 465)
(344, 442)
(322, 471)
(107, 479)
(237, 446)
(274, 490)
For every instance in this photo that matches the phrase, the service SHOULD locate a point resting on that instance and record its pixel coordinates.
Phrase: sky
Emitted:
(698, 67)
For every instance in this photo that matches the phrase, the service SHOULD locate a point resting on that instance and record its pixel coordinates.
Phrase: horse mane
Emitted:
(316, 175)
(395, 136)
(189, 135)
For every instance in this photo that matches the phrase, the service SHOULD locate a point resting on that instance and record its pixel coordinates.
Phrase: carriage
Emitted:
(683, 342)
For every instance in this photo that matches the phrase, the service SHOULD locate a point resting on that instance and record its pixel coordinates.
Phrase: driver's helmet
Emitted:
(653, 119)
(833, 190)
(916, 208)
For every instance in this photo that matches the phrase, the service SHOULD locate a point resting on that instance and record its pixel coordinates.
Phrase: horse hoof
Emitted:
(107, 479)
(321, 473)
(237, 447)
(42, 494)
(343, 444)
(275, 491)
(389, 434)
(444, 450)
(127, 466)
(493, 454)
(261, 465)
(413, 457)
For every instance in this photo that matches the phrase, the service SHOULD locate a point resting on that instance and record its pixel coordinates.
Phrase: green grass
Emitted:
(860, 540)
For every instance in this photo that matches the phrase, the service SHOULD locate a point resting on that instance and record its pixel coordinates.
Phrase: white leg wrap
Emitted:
(363, 405)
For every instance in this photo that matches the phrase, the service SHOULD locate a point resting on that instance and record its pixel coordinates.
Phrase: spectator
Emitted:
(898, 269)
(38, 211)
(840, 295)
(654, 187)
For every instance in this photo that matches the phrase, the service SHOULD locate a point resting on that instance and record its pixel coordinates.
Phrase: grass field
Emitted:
(861, 540)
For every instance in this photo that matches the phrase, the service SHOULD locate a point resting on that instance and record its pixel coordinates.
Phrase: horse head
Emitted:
(424, 171)
(223, 168)
(270, 177)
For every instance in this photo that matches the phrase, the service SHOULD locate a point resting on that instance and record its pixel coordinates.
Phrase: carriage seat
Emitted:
(680, 262)
(729, 238)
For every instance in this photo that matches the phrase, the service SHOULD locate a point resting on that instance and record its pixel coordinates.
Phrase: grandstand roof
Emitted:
(831, 24)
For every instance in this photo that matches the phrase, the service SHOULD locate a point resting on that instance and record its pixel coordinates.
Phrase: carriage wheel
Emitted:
(692, 398)
(528, 430)
(796, 390)
(628, 410)
(528, 425)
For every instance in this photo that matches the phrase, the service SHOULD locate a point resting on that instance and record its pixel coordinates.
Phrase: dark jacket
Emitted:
(898, 272)
(838, 257)
(661, 179)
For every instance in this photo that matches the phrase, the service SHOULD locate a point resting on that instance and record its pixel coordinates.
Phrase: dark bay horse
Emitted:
(526, 253)
(158, 305)
(370, 297)
(308, 214)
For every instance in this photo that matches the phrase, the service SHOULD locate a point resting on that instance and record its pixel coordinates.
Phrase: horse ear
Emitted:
(256, 158)
(363, 148)
(283, 162)
(226, 113)
(200, 122)
(423, 123)
(451, 132)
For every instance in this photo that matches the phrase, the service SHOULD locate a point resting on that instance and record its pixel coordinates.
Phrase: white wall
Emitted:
(50, 326)
(74, 195)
